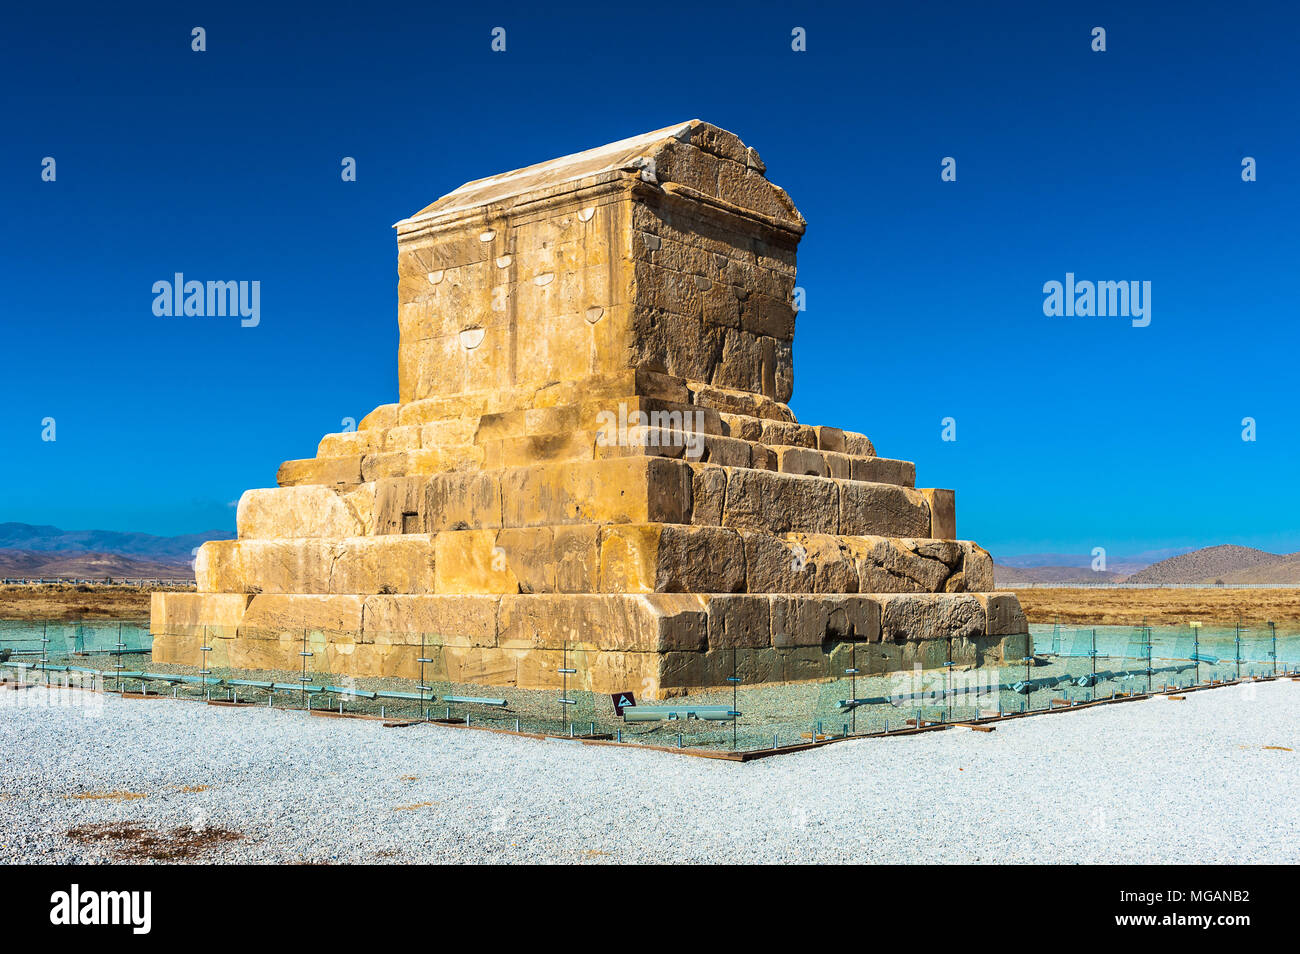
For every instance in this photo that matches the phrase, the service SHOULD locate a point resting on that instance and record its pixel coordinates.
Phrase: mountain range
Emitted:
(45, 552)
(1226, 564)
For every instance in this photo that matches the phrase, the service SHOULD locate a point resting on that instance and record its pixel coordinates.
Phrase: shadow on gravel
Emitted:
(132, 842)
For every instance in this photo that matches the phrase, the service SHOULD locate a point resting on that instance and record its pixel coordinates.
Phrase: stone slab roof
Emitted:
(635, 154)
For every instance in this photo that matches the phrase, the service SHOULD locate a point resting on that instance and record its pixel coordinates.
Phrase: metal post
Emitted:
(1272, 628)
(947, 689)
(302, 679)
(565, 672)
(1237, 647)
(422, 662)
(205, 671)
(853, 684)
(424, 686)
(117, 660)
(1196, 650)
(1146, 630)
(1092, 654)
(735, 702)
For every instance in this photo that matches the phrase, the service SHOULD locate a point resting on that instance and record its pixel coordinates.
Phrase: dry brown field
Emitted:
(1094, 605)
(1104, 607)
(69, 601)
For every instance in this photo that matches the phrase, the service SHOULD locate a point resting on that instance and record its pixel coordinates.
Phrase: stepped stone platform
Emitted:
(592, 453)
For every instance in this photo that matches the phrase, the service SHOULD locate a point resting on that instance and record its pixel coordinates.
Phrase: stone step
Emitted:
(649, 489)
(622, 558)
(672, 640)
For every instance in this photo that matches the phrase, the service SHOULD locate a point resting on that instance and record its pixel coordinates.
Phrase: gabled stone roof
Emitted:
(639, 154)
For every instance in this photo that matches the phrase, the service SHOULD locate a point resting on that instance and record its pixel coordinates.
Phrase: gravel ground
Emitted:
(1208, 779)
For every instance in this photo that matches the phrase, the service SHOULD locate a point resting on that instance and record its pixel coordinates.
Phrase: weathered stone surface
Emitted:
(888, 565)
(654, 622)
(798, 563)
(882, 470)
(593, 464)
(469, 561)
(669, 558)
(297, 512)
(280, 614)
(943, 513)
(739, 622)
(781, 503)
(326, 471)
(912, 617)
(392, 564)
(708, 494)
(1004, 615)
(977, 567)
(813, 621)
(444, 620)
(462, 501)
(882, 509)
(189, 612)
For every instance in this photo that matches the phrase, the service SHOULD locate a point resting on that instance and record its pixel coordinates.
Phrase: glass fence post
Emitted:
(302, 679)
(204, 670)
(1272, 629)
(1147, 640)
(117, 660)
(735, 700)
(1236, 642)
(424, 687)
(1196, 651)
(1092, 654)
(565, 671)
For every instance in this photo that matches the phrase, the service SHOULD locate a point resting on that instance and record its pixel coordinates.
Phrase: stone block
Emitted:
(914, 617)
(288, 616)
(943, 513)
(307, 511)
(881, 510)
(655, 622)
(780, 503)
(1003, 614)
(444, 620)
(671, 558)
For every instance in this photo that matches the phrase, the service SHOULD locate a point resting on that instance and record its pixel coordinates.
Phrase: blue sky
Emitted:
(924, 297)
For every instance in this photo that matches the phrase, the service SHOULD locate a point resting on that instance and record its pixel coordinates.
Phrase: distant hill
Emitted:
(1012, 576)
(28, 564)
(45, 552)
(1227, 564)
(45, 539)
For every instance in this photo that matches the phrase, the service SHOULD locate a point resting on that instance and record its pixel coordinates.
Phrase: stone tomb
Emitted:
(592, 447)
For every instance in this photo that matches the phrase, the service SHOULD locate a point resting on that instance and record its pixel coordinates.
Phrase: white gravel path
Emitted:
(1149, 781)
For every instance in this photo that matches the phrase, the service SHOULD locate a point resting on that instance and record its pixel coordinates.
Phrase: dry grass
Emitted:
(109, 796)
(131, 842)
(1103, 607)
(69, 601)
